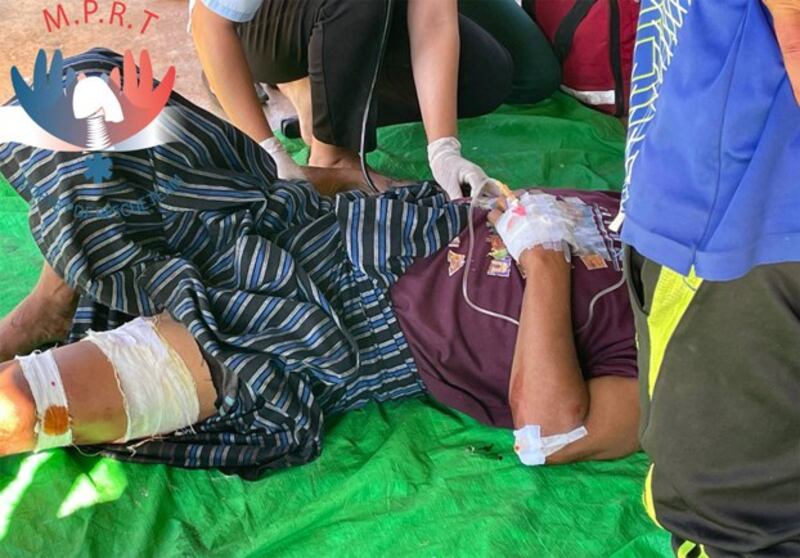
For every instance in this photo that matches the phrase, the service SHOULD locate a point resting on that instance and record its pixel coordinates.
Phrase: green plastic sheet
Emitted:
(403, 479)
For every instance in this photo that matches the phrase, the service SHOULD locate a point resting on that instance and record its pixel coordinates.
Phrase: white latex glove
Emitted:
(287, 168)
(451, 170)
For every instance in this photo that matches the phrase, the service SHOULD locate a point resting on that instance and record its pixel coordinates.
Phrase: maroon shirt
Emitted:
(464, 357)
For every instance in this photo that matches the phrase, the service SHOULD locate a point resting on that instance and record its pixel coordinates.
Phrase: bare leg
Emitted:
(44, 316)
(299, 94)
(95, 401)
(322, 154)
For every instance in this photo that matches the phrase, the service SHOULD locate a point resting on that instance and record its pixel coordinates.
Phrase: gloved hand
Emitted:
(451, 170)
(287, 168)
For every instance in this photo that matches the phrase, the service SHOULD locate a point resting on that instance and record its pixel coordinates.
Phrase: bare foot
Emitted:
(44, 316)
(330, 181)
(327, 156)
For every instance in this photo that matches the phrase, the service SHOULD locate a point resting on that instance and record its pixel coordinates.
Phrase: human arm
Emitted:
(786, 18)
(434, 45)
(222, 57)
(547, 387)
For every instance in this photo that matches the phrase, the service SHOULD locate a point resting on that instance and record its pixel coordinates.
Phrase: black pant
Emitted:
(336, 43)
(719, 371)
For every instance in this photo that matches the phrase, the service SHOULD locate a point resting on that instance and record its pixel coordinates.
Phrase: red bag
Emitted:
(594, 40)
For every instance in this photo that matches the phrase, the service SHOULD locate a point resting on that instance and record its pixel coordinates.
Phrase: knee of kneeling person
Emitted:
(539, 85)
(17, 411)
(494, 90)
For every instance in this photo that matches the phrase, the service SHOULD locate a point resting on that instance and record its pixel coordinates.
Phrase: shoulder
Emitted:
(234, 10)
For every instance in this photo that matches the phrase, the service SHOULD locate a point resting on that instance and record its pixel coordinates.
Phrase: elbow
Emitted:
(554, 416)
(564, 416)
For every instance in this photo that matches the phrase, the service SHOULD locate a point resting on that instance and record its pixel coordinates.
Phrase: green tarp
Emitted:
(402, 479)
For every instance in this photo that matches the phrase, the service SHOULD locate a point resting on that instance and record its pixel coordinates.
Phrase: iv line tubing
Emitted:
(509, 319)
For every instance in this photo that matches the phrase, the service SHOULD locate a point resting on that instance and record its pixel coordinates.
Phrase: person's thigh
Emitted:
(96, 407)
(720, 385)
(276, 41)
(537, 71)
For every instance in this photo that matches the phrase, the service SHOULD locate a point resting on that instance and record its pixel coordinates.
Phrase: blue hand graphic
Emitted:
(49, 101)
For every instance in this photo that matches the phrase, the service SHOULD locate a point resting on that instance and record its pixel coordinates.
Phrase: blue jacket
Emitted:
(713, 155)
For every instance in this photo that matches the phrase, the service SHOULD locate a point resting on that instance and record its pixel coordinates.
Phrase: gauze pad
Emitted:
(158, 390)
(532, 449)
(53, 428)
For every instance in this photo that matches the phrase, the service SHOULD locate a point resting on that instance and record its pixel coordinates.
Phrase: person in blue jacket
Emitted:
(712, 224)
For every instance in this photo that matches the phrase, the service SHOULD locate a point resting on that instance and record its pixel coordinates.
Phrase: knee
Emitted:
(485, 81)
(537, 84)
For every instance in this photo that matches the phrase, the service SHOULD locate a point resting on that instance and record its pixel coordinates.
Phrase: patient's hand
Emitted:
(536, 256)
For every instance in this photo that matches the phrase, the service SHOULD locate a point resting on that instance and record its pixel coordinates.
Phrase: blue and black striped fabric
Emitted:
(285, 290)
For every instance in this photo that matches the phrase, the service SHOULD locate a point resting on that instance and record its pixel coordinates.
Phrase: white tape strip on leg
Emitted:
(532, 448)
(157, 388)
(53, 428)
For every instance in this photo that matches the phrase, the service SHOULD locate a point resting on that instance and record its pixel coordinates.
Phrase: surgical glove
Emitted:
(287, 168)
(451, 170)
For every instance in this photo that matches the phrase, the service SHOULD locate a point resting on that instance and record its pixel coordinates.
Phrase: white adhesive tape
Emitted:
(533, 449)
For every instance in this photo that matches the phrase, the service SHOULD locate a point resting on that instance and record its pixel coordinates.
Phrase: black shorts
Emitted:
(337, 43)
(719, 369)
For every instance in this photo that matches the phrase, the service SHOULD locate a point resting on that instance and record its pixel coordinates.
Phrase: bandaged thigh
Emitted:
(158, 391)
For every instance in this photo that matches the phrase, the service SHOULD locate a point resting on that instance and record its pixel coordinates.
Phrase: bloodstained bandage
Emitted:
(53, 424)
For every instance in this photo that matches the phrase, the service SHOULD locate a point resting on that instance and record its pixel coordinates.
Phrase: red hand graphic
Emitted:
(141, 102)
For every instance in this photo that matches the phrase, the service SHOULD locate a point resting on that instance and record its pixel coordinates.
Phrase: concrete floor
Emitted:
(24, 32)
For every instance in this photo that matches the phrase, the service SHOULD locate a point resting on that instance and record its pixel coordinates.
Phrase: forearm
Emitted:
(223, 60)
(546, 386)
(434, 42)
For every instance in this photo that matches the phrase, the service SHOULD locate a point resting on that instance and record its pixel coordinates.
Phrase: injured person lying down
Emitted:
(218, 316)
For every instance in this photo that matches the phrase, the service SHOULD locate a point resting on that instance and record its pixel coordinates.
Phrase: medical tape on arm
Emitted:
(158, 390)
(540, 219)
(534, 221)
(533, 449)
(53, 425)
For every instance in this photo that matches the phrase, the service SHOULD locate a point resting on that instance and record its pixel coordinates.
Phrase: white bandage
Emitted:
(53, 428)
(532, 449)
(158, 391)
(539, 219)
(534, 221)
